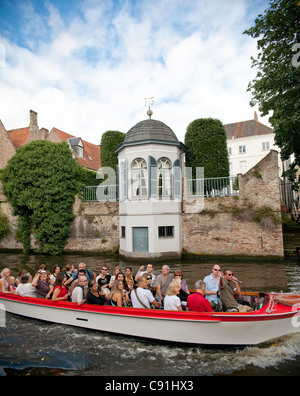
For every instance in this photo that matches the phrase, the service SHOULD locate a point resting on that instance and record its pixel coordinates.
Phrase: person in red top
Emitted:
(196, 301)
(60, 292)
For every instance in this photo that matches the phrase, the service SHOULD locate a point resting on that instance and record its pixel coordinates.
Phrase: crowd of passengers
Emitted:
(123, 289)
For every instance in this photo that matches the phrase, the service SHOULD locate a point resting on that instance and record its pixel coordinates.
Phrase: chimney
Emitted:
(33, 120)
(255, 116)
(35, 134)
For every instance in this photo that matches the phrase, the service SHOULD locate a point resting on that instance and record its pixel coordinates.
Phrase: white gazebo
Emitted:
(150, 191)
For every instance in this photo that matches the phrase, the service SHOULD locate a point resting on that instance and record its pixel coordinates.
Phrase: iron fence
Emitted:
(101, 193)
(215, 187)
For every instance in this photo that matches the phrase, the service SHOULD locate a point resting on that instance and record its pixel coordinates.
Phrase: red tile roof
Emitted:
(91, 153)
(19, 136)
(246, 128)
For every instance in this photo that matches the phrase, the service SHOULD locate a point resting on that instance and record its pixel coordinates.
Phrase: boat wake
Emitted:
(85, 352)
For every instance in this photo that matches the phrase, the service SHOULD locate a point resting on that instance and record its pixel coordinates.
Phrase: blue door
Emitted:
(140, 239)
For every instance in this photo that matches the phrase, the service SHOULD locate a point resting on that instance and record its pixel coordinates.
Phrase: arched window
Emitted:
(139, 178)
(164, 177)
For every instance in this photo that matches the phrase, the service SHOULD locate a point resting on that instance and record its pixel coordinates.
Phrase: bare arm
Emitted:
(155, 303)
(56, 293)
(138, 273)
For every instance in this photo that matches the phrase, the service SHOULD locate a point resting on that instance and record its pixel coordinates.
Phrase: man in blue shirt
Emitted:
(90, 275)
(212, 282)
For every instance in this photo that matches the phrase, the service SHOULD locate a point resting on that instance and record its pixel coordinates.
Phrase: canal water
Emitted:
(29, 347)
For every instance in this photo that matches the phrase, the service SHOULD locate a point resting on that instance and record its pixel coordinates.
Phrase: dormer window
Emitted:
(77, 146)
(79, 151)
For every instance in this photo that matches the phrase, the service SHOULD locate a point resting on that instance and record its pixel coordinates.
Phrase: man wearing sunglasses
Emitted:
(229, 287)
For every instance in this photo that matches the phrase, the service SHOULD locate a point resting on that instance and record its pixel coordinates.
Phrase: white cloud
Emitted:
(91, 72)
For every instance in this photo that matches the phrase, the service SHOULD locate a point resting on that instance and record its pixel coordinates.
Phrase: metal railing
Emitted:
(216, 187)
(101, 193)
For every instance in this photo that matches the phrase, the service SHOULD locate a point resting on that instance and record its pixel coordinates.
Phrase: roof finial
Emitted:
(149, 102)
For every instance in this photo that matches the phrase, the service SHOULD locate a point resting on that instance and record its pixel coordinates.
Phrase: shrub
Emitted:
(41, 182)
(4, 229)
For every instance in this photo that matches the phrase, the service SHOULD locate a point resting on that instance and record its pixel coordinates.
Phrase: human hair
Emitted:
(225, 271)
(25, 278)
(68, 267)
(115, 288)
(177, 280)
(178, 272)
(92, 283)
(145, 275)
(117, 268)
(172, 288)
(141, 279)
(80, 277)
(59, 279)
(200, 285)
(123, 280)
(55, 267)
(151, 265)
(4, 271)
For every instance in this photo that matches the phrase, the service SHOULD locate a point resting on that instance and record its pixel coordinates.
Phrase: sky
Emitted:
(86, 66)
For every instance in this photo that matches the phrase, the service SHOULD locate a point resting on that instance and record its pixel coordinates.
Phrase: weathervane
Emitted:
(148, 103)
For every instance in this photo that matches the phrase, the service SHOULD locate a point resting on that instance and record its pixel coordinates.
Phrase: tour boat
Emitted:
(274, 315)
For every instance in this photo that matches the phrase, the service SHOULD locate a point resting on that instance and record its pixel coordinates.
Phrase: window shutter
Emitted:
(177, 179)
(117, 182)
(125, 179)
(153, 177)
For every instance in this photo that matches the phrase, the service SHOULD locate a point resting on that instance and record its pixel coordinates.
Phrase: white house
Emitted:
(248, 143)
(150, 188)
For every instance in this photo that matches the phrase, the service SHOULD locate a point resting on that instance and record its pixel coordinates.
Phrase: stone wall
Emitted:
(10, 241)
(95, 228)
(225, 226)
(7, 148)
(222, 226)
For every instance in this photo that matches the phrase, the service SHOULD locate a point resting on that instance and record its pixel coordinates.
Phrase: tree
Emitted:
(276, 86)
(41, 182)
(4, 228)
(206, 143)
(109, 142)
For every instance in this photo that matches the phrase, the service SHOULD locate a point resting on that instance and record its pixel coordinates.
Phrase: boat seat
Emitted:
(225, 309)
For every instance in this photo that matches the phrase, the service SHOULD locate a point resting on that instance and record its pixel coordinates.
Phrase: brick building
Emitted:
(86, 154)
(155, 217)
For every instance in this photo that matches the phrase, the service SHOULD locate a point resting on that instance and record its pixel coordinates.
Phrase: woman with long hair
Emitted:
(5, 274)
(119, 297)
(60, 292)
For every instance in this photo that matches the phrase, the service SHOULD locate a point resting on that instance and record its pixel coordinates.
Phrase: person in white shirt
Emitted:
(25, 289)
(212, 283)
(80, 291)
(142, 297)
(149, 271)
(171, 301)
